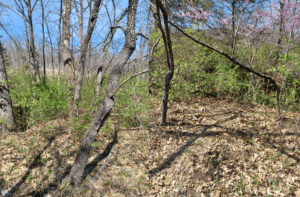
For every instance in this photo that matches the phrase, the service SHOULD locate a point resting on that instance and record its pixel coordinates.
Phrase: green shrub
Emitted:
(201, 72)
(33, 103)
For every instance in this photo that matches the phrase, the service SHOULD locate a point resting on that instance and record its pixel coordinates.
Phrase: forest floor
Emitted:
(210, 147)
(221, 147)
(37, 162)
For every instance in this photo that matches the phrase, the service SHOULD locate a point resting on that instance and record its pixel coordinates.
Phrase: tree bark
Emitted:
(52, 59)
(83, 51)
(27, 40)
(43, 44)
(59, 37)
(281, 24)
(107, 102)
(34, 64)
(67, 59)
(170, 57)
(105, 51)
(6, 109)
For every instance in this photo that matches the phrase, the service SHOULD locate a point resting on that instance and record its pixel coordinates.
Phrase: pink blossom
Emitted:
(224, 22)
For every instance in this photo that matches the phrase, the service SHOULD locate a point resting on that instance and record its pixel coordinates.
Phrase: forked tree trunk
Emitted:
(105, 51)
(7, 118)
(169, 53)
(107, 102)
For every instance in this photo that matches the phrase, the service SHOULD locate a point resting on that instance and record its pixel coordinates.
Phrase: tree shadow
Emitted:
(233, 132)
(87, 170)
(92, 165)
(35, 163)
(167, 163)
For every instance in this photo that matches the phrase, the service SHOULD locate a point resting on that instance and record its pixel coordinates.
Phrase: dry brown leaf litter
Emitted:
(223, 148)
(126, 173)
(210, 148)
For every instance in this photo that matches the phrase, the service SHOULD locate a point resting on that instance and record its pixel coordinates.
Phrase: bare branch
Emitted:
(127, 81)
(137, 58)
(120, 28)
(236, 62)
(18, 47)
(34, 5)
(141, 34)
(151, 52)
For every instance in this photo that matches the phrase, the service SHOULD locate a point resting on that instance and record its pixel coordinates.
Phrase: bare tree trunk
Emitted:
(169, 53)
(280, 33)
(83, 51)
(252, 81)
(59, 37)
(34, 63)
(52, 61)
(43, 46)
(237, 63)
(6, 109)
(27, 40)
(80, 18)
(67, 59)
(105, 52)
(90, 44)
(107, 102)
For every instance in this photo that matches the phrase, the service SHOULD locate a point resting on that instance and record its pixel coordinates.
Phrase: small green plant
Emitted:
(240, 186)
(249, 140)
(217, 180)
(255, 181)
(21, 149)
(31, 177)
(10, 142)
(2, 181)
(286, 161)
(124, 173)
(97, 144)
(64, 183)
(108, 128)
(292, 188)
(273, 183)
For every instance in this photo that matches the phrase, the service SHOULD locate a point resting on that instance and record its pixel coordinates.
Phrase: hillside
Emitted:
(221, 147)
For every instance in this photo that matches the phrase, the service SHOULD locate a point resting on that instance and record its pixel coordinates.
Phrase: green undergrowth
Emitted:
(201, 72)
(131, 101)
(33, 103)
(49, 99)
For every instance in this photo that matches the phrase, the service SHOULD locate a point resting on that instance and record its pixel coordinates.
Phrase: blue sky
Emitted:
(15, 25)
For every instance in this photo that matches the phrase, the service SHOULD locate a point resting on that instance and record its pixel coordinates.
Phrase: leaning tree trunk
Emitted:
(6, 109)
(105, 52)
(107, 102)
